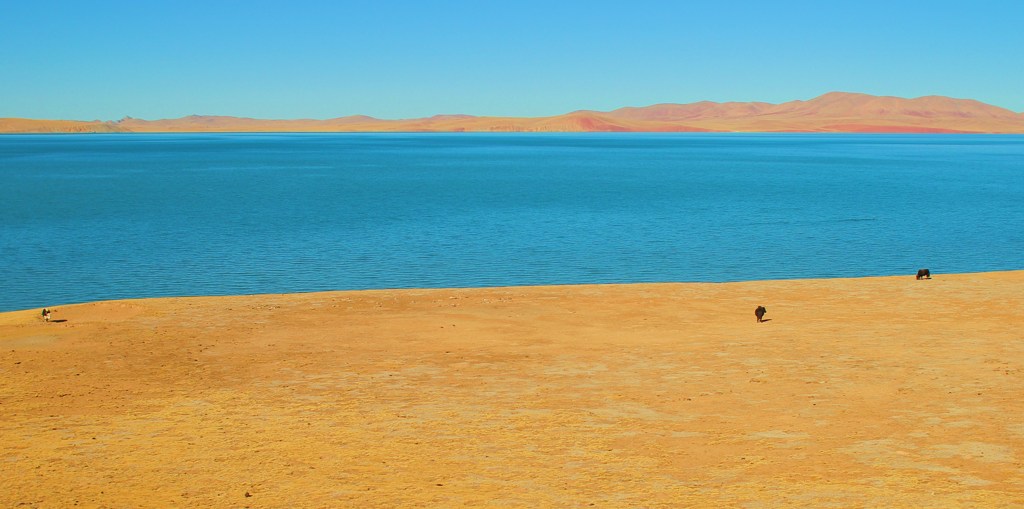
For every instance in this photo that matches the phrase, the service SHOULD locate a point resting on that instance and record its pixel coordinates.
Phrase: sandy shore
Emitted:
(857, 392)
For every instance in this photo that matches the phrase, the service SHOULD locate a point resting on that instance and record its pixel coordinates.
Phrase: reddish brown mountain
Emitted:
(832, 112)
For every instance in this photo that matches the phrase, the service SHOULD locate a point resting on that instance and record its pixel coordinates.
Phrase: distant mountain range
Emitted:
(832, 112)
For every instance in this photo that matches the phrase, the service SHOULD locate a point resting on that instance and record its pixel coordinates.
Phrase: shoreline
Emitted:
(552, 133)
(500, 287)
(856, 391)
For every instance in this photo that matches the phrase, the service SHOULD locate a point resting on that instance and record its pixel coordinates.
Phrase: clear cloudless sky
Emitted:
(152, 59)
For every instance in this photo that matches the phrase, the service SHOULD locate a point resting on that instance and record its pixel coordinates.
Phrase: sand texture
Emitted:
(874, 392)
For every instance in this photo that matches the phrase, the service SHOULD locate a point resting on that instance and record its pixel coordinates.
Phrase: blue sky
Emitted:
(405, 59)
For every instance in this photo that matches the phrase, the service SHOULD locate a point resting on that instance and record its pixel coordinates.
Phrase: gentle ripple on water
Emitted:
(97, 217)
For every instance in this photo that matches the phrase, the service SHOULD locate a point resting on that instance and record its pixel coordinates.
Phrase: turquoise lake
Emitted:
(96, 217)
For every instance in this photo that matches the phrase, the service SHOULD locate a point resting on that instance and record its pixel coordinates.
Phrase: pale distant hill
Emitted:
(832, 112)
(25, 125)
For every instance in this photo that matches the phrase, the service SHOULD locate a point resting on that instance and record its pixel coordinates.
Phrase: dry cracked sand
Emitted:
(872, 392)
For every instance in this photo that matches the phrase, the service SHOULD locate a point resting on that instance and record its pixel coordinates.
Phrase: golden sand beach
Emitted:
(872, 392)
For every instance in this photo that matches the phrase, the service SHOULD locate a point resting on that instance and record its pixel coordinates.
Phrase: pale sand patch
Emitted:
(977, 451)
(858, 392)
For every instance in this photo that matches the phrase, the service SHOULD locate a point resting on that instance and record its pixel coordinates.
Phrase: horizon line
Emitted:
(485, 116)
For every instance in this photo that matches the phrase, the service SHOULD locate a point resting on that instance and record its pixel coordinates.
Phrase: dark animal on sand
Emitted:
(759, 313)
(924, 274)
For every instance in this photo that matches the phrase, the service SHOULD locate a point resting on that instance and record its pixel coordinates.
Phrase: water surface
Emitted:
(92, 217)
